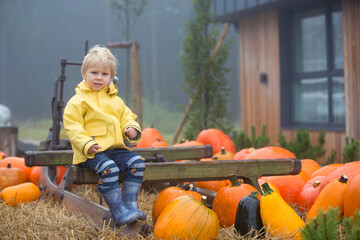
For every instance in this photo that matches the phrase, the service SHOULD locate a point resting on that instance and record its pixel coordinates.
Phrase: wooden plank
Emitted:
(250, 170)
(8, 140)
(64, 157)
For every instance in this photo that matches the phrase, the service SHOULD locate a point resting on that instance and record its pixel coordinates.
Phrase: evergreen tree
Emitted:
(209, 109)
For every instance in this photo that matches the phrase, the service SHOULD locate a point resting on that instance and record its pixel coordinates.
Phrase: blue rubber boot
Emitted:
(119, 212)
(130, 192)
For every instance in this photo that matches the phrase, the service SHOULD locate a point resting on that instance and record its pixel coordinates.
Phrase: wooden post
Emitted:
(137, 81)
(198, 88)
(8, 140)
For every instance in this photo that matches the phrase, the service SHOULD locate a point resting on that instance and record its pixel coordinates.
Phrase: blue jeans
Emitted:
(107, 165)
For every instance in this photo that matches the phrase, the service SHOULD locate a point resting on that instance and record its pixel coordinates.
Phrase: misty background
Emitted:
(35, 35)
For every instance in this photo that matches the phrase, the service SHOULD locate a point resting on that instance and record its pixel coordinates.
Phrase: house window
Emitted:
(312, 68)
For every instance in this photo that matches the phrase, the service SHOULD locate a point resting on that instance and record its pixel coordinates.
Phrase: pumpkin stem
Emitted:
(9, 165)
(343, 179)
(223, 150)
(254, 194)
(266, 189)
(316, 183)
(203, 199)
(188, 187)
(234, 181)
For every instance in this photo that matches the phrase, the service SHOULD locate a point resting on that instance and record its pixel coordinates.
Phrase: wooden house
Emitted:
(298, 63)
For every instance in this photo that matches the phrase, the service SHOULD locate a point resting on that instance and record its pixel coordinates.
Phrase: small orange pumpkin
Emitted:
(223, 155)
(35, 174)
(168, 195)
(187, 218)
(308, 166)
(227, 199)
(2, 155)
(159, 143)
(10, 176)
(185, 143)
(17, 162)
(21, 193)
(332, 195)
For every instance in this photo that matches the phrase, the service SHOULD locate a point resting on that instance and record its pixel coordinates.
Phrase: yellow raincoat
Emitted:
(100, 117)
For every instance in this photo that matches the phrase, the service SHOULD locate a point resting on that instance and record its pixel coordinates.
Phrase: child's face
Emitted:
(97, 76)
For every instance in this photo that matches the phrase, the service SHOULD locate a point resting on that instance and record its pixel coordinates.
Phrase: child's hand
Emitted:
(94, 149)
(131, 132)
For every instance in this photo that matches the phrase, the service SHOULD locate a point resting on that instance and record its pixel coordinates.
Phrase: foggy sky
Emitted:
(35, 35)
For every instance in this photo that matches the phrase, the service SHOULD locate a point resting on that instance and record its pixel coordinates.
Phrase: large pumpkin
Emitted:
(168, 195)
(352, 197)
(11, 176)
(227, 199)
(278, 218)
(187, 218)
(325, 170)
(17, 162)
(21, 193)
(309, 193)
(217, 139)
(149, 136)
(270, 152)
(332, 195)
(350, 169)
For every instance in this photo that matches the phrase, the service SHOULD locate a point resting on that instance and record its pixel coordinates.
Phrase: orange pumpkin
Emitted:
(60, 172)
(21, 193)
(35, 174)
(325, 170)
(217, 139)
(187, 218)
(168, 195)
(223, 155)
(352, 196)
(289, 186)
(10, 176)
(211, 185)
(159, 143)
(186, 143)
(308, 166)
(333, 195)
(350, 169)
(148, 137)
(309, 193)
(270, 152)
(243, 153)
(2, 155)
(227, 199)
(17, 162)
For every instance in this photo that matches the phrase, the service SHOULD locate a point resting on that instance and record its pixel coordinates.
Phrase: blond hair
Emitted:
(98, 54)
